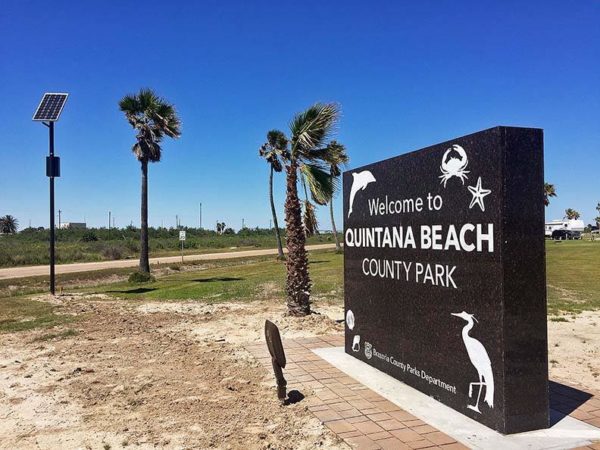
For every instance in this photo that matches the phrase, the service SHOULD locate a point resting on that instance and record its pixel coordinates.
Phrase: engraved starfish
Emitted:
(478, 194)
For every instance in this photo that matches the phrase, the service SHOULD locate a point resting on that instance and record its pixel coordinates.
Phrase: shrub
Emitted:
(133, 245)
(89, 236)
(175, 267)
(112, 252)
(141, 277)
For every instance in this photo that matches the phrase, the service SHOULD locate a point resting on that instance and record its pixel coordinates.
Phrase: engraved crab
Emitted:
(453, 166)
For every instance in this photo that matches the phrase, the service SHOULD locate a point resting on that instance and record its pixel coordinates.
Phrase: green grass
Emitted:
(573, 273)
(239, 280)
(573, 276)
(22, 313)
(53, 336)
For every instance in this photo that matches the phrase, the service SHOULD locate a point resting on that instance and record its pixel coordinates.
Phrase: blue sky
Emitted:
(407, 75)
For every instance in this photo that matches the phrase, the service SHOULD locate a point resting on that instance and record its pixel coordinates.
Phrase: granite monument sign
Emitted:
(445, 285)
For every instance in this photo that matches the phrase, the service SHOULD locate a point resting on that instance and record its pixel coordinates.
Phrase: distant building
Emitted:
(565, 224)
(73, 225)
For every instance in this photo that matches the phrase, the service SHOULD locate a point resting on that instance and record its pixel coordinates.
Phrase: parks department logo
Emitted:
(368, 350)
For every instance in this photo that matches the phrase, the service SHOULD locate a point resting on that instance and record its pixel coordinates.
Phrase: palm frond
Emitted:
(129, 104)
(277, 140)
(319, 181)
(274, 149)
(166, 117)
(311, 226)
(153, 118)
(312, 127)
(549, 191)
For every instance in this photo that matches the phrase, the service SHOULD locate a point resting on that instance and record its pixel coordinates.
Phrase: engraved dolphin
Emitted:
(360, 180)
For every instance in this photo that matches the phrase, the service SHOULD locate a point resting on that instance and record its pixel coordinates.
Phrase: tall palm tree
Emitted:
(549, 191)
(337, 157)
(8, 224)
(153, 119)
(310, 131)
(273, 150)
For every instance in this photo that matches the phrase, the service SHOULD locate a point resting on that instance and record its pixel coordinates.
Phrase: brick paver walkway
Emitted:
(366, 420)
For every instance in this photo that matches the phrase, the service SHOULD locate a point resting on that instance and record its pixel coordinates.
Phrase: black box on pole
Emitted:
(52, 166)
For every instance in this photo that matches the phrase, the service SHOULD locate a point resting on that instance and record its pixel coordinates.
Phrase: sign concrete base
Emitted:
(564, 433)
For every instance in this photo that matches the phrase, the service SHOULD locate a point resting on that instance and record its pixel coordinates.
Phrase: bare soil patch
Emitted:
(574, 349)
(147, 375)
(176, 375)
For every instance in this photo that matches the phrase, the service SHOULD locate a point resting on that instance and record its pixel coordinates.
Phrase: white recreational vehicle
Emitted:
(565, 224)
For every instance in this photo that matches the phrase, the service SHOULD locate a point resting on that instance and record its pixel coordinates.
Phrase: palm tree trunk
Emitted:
(144, 257)
(277, 234)
(334, 229)
(298, 281)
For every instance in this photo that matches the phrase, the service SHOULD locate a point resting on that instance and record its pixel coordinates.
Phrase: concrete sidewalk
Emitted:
(33, 271)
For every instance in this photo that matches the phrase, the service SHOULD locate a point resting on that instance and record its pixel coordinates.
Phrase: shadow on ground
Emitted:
(564, 400)
(214, 279)
(294, 397)
(133, 291)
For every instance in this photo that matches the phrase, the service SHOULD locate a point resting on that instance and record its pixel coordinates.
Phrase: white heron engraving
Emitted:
(360, 180)
(480, 360)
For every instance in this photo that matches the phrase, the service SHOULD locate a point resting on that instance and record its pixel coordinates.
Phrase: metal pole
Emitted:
(200, 215)
(52, 281)
(109, 225)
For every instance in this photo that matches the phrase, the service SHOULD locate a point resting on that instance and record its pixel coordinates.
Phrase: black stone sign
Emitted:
(445, 283)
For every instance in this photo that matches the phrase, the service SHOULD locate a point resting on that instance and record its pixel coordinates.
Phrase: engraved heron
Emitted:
(480, 360)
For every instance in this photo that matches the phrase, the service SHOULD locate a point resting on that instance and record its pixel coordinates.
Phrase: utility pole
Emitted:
(200, 215)
(109, 225)
(59, 221)
(243, 226)
(48, 112)
(176, 221)
(52, 238)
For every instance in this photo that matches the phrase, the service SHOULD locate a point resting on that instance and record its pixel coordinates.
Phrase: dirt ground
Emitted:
(176, 375)
(574, 350)
(147, 375)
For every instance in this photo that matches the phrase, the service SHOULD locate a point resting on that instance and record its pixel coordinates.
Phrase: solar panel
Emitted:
(50, 107)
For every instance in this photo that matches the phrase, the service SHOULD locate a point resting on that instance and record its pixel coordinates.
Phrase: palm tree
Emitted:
(572, 214)
(220, 228)
(310, 131)
(153, 119)
(8, 224)
(337, 158)
(549, 191)
(273, 150)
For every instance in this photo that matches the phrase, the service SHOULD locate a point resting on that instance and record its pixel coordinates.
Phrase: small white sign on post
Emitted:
(182, 240)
